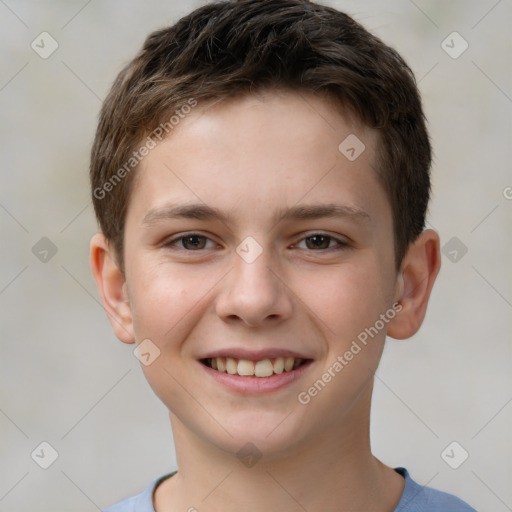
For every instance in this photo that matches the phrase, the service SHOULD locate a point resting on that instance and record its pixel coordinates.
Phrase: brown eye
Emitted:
(318, 242)
(191, 242)
(322, 242)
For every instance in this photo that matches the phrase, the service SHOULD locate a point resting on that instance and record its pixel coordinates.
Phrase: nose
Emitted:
(255, 293)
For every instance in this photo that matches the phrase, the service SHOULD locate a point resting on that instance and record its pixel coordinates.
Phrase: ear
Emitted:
(414, 283)
(112, 287)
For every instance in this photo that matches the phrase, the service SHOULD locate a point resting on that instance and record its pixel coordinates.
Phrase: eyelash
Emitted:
(340, 243)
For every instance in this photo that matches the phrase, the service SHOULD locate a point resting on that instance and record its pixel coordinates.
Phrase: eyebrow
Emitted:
(201, 211)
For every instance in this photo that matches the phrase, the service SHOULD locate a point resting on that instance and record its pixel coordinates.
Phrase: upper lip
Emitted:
(254, 355)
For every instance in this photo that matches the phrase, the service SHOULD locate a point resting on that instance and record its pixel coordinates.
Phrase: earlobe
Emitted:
(112, 287)
(414, 284)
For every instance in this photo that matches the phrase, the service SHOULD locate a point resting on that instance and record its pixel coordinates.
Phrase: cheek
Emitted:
(170, 301)
(162, 300)
(165, 307)
(349, 302)
(346, 299)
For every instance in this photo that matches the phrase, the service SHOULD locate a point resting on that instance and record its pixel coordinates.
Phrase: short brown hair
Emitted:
(228, 48)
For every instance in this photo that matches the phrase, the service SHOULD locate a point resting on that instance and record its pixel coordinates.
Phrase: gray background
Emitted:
(65, 378)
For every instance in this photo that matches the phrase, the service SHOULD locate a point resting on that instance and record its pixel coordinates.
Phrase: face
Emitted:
(253, 242)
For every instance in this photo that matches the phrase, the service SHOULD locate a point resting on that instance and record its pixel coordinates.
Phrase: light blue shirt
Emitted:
(415, 498)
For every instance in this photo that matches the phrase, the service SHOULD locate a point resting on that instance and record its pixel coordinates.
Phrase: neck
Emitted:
(333, 471)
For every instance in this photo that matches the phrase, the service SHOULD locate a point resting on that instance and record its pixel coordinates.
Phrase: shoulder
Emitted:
(419, 498)
(142, 502)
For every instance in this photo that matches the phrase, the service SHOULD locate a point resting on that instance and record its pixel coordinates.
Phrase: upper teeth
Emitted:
(245, 367)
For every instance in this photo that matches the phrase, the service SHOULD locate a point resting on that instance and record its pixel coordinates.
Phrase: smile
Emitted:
(247, 368)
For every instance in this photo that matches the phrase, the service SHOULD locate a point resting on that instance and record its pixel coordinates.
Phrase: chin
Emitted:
(269, 434)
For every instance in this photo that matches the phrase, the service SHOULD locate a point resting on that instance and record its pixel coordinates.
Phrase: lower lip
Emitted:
(257, 385)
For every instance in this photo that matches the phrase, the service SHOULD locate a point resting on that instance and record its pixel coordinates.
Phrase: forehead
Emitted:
(260, 152)
(279, 120)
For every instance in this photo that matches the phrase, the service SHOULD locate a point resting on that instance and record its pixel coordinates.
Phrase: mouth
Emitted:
(262, 368)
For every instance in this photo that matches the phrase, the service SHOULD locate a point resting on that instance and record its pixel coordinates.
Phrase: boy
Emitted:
(260, 175)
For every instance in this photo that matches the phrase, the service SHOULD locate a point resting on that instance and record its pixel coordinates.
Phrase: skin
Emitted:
(251, 157)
